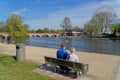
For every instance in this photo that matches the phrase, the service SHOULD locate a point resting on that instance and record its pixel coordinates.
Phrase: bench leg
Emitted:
(76, 74)
(55, 68)
(86, 68)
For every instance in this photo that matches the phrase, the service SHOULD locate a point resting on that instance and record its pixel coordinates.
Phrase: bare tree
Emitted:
(66, 25)
(103, 17)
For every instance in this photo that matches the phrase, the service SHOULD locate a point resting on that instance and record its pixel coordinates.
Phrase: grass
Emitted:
(10, 69)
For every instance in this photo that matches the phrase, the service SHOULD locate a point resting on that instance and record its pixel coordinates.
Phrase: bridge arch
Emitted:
(2, 37)
(54, 36)
(45, 35)
(37, 35)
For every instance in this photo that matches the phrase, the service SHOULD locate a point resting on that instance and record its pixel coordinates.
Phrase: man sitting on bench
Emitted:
(62, 54)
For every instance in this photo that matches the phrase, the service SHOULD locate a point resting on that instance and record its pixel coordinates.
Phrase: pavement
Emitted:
(116, 73)
(101, 66)
(48, 70)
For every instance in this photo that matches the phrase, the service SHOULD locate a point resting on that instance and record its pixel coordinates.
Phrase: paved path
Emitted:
(100, 65)
(116, 73)
(58, 76)
(48, 70)
(10, 50)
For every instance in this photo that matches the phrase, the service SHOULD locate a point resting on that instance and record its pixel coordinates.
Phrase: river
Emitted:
(111, 47)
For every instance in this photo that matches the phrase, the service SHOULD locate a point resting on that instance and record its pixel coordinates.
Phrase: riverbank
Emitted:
(101, 66)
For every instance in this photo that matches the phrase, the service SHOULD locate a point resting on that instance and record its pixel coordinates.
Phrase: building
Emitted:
(74, 32)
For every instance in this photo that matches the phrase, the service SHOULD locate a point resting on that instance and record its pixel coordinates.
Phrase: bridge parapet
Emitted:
(44, 34)
(4, 34)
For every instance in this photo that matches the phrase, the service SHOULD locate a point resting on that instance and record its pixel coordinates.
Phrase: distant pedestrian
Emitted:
(8, 39)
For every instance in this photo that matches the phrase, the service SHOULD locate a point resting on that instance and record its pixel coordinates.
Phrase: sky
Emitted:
(39, 14)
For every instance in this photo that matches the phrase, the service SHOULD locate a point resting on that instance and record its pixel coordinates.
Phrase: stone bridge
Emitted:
(5, 35)
(44, 34)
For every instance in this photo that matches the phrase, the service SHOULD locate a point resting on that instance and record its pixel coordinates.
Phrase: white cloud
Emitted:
(20, 11)
(79, 15)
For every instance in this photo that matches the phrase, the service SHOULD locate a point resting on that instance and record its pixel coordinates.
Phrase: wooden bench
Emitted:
(75, 66)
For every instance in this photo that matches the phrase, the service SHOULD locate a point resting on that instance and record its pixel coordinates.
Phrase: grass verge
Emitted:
(12, 70)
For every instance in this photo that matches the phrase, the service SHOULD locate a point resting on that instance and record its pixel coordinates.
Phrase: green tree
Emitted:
(17, 30)
(46, 30)
(104, 17)
(32, 31)
(76, 28)
(116, 28)
(39, 31)
(89, 29)
(52, 31)
(60, 31)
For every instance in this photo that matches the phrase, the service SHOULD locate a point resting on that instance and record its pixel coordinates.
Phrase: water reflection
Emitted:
(68, 42)
(87, 45)
(96, 46)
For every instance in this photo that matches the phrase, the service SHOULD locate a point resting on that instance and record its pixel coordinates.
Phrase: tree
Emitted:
(17, 30)
(76, 28)
(66, 25)
(60, 31)
(32, 31)
(103, 17)
(39, 31)
(52, 31)
(46, 30)
(116, 28)
(90, 29)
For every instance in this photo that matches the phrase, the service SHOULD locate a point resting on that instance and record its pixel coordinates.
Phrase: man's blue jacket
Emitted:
(62, 54)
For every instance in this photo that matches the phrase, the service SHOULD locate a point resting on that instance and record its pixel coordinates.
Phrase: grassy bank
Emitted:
(12, 70)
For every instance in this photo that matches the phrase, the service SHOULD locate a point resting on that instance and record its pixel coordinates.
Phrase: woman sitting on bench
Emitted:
(73, 57)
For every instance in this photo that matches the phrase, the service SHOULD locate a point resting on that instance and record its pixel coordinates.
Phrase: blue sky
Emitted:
(50, 13)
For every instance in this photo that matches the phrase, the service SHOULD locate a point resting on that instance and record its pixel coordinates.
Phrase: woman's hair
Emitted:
(72, 49)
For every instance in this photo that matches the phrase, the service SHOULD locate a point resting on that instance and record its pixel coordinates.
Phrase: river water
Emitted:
(84, 45)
